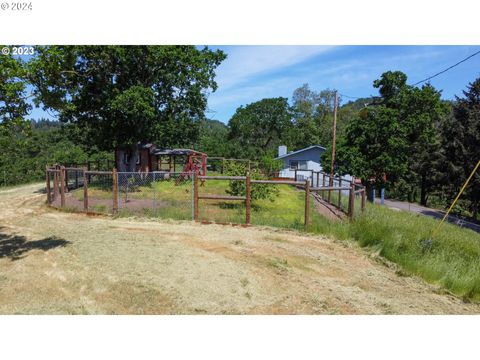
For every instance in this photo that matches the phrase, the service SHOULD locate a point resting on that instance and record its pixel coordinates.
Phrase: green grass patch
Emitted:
(451, 259)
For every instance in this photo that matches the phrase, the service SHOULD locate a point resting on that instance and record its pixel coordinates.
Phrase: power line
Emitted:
(428, 78)
(450, 67)
(350, 97)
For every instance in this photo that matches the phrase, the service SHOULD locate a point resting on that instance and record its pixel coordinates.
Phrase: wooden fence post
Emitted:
(351, 202)
(330, 183)
(62, 186)
(248, 199)
(89, 167)
(322, 194)
(55, 184)
(195, 196)
(85, 190)
(340, 193)
(65, 175)
(295, 174)
(318, 178)
(115, 190)
(364, 195)
(307, 204)
(47, 178)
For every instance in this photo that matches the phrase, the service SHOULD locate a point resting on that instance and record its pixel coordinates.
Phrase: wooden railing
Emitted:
(352, 188)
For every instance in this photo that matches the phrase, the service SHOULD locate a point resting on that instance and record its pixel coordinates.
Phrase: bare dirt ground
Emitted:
(53, 262)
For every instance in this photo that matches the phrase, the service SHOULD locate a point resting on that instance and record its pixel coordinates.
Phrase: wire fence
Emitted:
(185, 196)
(158, 194)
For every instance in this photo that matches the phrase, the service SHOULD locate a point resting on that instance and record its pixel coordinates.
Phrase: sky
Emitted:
(251, 73)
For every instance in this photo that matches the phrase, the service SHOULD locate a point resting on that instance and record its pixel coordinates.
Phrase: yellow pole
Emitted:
(435, 230)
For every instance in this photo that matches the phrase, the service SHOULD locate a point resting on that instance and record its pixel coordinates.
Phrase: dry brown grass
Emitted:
(53, 262)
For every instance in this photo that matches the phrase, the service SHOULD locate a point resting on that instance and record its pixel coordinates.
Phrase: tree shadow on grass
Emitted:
(14, 247)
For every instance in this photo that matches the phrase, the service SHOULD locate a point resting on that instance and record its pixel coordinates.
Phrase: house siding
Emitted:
(312, 156)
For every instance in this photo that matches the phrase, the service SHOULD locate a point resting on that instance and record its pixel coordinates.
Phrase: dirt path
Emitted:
(54, 262)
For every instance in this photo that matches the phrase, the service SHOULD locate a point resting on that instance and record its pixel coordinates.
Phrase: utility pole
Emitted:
(334, 140)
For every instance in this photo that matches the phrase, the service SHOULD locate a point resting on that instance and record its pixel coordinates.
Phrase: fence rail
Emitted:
(171, 195)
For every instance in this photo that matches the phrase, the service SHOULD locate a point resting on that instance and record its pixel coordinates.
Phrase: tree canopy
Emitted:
(124, 94)
(13, 95)
(259, 128)
(461, 141)
(396, 138)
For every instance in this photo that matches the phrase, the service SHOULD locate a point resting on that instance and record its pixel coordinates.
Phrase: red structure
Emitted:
(193, 161)
(148, 158)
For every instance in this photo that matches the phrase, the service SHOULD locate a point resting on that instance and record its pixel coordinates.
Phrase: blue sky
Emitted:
(251, 73)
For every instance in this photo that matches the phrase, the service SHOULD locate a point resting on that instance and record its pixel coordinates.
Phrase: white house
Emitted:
(304, 159)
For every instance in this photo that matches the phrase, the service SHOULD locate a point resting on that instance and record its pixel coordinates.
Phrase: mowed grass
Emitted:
(451, 259)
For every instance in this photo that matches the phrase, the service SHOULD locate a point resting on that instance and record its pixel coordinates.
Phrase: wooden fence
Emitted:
(67, 178)
(59, 175)
(305, 185)
(326, 190)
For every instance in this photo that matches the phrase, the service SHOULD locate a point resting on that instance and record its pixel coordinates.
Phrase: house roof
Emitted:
(301, 150)
(176, 152)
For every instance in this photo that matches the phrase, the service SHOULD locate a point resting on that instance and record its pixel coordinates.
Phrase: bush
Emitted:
(269, 165)
(257, 191)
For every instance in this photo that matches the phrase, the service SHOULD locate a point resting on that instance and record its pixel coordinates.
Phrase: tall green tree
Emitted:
(14, 106)
(461, 140)
(398, 136)
(213, 138)
(120, 95)
(258, 129)
(312, 116)
(373, 146)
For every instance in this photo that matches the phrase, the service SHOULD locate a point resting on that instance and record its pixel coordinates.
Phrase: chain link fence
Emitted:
(158, 194)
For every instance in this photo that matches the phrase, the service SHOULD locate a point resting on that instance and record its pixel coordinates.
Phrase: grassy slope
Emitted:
(451, 259)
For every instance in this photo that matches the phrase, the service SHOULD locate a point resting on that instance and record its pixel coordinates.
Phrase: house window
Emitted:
(298, 165)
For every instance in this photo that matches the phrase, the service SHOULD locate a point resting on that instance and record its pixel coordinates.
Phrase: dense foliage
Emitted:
(119, 95)
(259, 128)
(24, 155)
(396, 139)
(238, 188)
(461, 144)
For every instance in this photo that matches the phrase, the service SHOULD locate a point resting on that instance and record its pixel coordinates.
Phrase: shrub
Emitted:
(257, 191)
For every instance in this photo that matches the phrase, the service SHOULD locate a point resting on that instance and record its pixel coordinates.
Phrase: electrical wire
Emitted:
(350, 97)
(428, 78)
(450, 67)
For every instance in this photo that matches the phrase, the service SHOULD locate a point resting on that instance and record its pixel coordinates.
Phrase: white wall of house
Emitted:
(310, 159)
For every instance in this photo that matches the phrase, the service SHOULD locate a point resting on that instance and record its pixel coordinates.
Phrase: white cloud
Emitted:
(244, 62)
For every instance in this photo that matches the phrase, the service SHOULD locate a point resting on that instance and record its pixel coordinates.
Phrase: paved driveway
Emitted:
(438, 214)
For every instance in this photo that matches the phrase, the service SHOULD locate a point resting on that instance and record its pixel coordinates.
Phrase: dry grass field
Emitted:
(53, 262)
